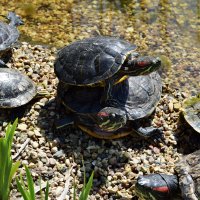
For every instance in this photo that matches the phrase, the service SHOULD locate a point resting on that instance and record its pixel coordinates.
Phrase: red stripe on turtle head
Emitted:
(103, 114)
(143, 63)
(161, 189)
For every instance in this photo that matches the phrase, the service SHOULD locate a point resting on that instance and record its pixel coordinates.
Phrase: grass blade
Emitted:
(86, 189)
(22, 190)
(30, 184)
(7, 167)
(47, 191)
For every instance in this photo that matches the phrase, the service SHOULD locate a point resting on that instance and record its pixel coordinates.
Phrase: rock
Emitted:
(22, 127)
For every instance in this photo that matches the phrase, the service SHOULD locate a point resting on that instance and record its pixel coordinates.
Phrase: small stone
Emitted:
(156, 150)
(35, 145)
(177, 106)
(171, 106)
(59, 154)
(113, 161)
(22, 127)
(58, 191)
(30, 133)
(54, 149)
(52, 161)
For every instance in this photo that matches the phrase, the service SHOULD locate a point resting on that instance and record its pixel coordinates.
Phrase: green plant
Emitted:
(86, 187)
(7, 167)
(29, 193)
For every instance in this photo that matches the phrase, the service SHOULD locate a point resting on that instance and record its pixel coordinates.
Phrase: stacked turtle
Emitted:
(16, 88)
(107, 88)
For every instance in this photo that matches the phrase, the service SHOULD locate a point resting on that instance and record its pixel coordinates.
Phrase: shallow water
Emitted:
(170, 29)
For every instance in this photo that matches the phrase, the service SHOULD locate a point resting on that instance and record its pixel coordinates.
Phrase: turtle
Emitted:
(16, 89)
(191, 111)
(185, 184)
(101, 61)
(132, 100)
(8, 36)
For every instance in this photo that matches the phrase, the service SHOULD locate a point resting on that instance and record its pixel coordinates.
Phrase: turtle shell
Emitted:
(138, 96)
(91, 60)
(16, 88)
(188, 169)
(191, 112)
(8, 35)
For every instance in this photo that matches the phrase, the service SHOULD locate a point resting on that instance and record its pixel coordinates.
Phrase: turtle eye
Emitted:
(113, 115)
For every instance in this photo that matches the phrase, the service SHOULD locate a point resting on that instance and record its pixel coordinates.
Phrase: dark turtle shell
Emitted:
(92, 60)
(191, 112)
(138, 96)
(16, 88)
(188, 170)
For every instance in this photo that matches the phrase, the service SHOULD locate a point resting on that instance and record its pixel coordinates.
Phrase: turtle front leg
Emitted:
(147, 132)
(65, 121)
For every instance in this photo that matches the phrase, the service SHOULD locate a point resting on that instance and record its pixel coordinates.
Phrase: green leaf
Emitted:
(22, 190)
(86, 189)
(7, 167)
(13, 170)
(47, 191)
(30, 183)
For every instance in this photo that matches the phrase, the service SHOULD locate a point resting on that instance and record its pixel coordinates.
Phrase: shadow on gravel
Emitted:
(105, 157)
(10, 114)
(188, 140)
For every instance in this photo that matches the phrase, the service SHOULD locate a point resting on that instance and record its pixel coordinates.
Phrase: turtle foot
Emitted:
(155, 134)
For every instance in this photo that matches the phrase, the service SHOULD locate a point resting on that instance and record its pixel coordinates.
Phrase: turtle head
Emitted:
(142, 65)
(111, 119)
(14, 19)
(157, 186)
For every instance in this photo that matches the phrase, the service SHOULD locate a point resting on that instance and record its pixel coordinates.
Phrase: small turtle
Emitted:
(102, 61)
(16, 89)
(132, 100)
(184, 185)
(8, 36)
(191, 112)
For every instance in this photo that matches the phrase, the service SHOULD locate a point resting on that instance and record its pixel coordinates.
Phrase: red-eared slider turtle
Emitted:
(8, 36)
(184, 185)
(101, 61)
(132, 100)
(16, 88)
(191, 112)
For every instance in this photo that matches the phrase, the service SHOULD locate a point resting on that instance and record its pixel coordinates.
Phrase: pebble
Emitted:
(22, 127)
(35, 145)
(58, 191)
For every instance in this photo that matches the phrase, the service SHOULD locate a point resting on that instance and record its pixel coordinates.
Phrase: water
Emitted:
(170, 29)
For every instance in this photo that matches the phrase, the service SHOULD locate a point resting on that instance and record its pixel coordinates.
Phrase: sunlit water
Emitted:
(170, 29)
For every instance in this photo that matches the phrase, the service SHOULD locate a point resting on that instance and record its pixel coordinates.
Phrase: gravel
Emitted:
(116, 163)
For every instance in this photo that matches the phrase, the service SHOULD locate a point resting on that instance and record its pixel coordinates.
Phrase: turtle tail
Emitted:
(14, 19)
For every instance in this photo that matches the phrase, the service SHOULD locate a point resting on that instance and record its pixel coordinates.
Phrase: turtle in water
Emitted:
(101, 61)
(191, 112)
(8, 36)
(133, 99)
(185, 184)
